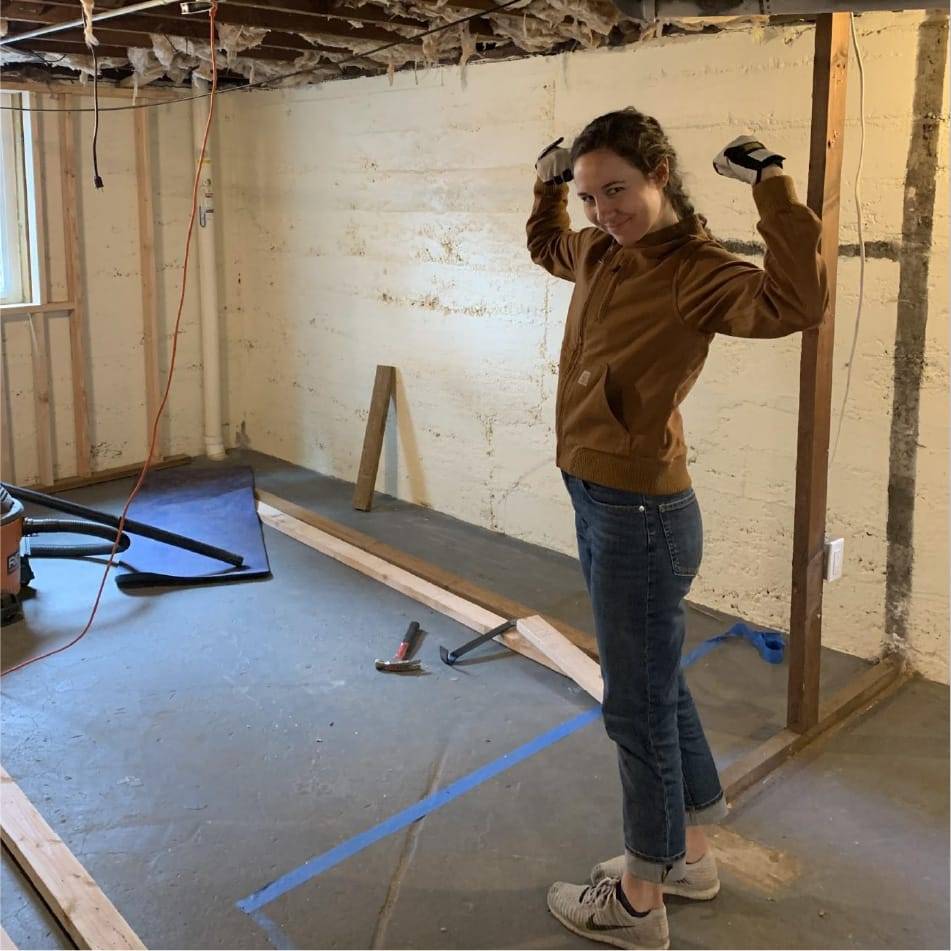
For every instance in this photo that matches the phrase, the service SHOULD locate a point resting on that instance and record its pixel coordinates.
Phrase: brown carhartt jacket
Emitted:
(641, 320)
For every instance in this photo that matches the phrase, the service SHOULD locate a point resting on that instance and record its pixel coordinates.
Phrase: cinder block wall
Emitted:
(373, 223)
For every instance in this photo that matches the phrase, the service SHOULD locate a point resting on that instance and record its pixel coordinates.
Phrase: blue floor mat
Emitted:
(214, 505)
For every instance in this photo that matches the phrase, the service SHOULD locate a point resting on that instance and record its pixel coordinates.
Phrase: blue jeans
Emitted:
(639, 554)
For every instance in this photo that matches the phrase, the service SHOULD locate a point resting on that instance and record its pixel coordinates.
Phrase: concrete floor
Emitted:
(201, 742)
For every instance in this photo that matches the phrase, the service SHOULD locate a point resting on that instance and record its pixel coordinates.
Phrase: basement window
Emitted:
(17, 204)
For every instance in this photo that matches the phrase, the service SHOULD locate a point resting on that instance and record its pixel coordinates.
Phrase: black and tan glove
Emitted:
(554, 164)
(745, 158)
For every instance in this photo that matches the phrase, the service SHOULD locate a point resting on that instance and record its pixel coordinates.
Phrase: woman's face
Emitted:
(619, 199)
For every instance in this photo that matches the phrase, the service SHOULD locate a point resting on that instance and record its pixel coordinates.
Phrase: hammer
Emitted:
(400, 663)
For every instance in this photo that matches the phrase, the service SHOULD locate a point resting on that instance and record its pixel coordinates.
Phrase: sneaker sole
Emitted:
(697, 894)
(603, 938)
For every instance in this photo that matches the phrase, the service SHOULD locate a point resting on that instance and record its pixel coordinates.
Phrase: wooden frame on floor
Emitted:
(70, 892)
(557, 646)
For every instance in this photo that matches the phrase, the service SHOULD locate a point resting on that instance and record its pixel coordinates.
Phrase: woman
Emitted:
(652, 287)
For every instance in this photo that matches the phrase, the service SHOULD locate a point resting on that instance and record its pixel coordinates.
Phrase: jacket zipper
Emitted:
(582, 322)
(609, 255)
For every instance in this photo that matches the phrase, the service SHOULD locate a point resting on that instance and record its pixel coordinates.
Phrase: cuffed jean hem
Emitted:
(708, 815)
(651, 870)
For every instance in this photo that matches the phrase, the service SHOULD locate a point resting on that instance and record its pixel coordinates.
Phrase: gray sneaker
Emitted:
(701, 881)
(595, 912)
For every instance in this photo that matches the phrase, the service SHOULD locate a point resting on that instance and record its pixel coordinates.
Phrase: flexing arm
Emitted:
(717, 292)
(551, 242)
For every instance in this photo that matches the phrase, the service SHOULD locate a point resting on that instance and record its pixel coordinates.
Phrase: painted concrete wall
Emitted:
(111, 272)
(373, 223)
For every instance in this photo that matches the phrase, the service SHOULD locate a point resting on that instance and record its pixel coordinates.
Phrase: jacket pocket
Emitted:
(683, 532)
(588, 419)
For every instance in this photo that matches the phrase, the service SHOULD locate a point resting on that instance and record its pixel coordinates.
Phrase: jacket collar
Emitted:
(662, 242)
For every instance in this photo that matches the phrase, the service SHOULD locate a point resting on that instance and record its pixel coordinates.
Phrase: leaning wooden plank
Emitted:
(496, 603)
(557, 648)
(90, 919)
(373, 439)
(465, 612)
(6, 943)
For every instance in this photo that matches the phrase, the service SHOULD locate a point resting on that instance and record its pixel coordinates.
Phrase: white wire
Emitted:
(858, 215)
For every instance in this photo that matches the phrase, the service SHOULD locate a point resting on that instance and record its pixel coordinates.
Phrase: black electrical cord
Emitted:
(264, 83)
(96, 177)
(91, 46)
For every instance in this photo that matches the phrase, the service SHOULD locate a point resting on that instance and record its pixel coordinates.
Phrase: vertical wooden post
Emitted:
(373, 440)
(7, 464)
(39, 348)
(815, 377)
(74, 281)
(39, 325)
(143, 171)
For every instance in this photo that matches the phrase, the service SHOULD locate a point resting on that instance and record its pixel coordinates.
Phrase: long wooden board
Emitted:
(561, 652)
(6, 942)
(75, 289)
(89, 918)
(39, 350)
(497, 603)
(147, 271)
(868, 687)
(439, 599)
(815, 377)
(108, 475)
(383, 388)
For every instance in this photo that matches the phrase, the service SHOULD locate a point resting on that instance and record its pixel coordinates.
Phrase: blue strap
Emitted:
(770, 644)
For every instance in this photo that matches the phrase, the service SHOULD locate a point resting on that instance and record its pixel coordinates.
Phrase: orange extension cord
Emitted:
(171, 368)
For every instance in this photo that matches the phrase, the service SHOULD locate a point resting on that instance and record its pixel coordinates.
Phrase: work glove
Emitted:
(554, 164)
(745, 158)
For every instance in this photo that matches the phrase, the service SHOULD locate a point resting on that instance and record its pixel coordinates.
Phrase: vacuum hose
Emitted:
(136, 528)
(49, 526)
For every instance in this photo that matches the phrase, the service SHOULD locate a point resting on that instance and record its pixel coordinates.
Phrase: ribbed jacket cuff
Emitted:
(551, 189)
(775, 194)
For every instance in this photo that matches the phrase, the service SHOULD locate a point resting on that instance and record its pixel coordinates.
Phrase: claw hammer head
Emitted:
(400, 662)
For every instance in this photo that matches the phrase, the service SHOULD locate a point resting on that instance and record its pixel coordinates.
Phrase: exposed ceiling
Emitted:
(317, 39)
(299, 41)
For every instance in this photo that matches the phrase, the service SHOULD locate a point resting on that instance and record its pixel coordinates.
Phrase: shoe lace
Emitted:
(599, 895)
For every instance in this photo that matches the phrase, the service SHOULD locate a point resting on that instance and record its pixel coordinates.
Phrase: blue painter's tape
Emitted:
(437, 800)
(770, 644)
(275, 934)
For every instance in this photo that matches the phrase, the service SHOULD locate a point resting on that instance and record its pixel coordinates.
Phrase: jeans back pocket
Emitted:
(683, 531)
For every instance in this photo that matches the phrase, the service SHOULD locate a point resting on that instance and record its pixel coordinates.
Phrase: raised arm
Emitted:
(716, 292)
(551, 242)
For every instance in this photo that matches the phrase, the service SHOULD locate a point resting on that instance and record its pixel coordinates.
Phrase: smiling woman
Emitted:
(651, 288)
(16, 204)
(620, 199)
